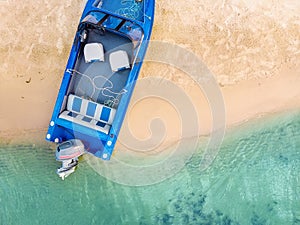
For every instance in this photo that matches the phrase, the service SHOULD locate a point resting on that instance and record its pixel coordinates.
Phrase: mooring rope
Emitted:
(112, 101)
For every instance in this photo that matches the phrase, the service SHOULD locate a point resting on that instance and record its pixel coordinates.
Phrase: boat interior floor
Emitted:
(96, 80)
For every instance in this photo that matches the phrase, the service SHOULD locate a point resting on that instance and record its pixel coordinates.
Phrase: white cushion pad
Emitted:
(119, 60)
(85, 121)
(88, 113)
(93, 52)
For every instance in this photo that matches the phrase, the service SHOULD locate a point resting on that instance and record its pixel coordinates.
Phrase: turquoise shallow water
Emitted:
(255, 179)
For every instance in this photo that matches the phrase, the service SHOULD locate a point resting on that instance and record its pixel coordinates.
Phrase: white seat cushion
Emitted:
(93, 52)
(91, 109)
(88, 113)
(85, 121)
(119, 60)
(77, 104)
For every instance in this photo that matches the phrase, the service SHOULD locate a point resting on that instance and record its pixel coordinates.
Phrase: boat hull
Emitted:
(100, 142)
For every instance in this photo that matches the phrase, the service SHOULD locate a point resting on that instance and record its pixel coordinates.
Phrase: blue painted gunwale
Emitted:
(96, 141)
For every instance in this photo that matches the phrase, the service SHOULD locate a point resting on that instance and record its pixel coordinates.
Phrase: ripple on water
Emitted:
(253, 180)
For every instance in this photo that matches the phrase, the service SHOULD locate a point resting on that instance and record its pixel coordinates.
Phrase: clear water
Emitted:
(255, 179)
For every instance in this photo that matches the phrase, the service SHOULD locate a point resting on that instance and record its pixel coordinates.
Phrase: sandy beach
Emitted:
(253, 50)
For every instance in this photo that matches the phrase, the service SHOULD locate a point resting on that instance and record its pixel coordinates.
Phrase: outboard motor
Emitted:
(68, 153)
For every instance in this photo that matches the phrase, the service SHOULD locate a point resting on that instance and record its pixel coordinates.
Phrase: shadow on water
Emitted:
(190, 209)
(253, 180)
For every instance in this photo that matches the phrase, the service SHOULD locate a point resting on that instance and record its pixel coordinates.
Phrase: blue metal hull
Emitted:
(115, 20)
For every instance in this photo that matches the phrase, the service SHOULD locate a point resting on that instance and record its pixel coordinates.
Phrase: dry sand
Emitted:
(253, 50)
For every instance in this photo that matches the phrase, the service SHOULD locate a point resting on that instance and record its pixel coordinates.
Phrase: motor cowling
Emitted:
(70, 149)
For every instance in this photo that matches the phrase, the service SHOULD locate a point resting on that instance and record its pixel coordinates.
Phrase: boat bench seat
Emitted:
(88, 113)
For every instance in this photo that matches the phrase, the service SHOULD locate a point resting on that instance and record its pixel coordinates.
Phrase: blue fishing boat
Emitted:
(103, 66)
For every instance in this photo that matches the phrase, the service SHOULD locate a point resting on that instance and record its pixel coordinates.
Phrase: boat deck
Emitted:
(133, 9)
(95, 80)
